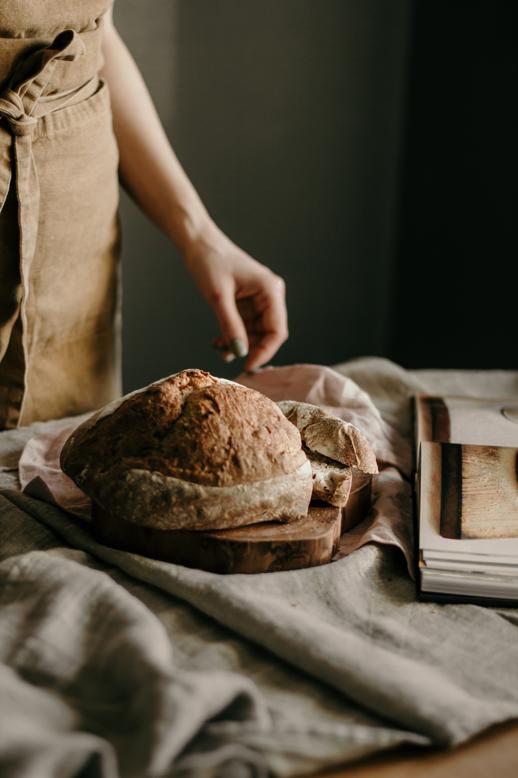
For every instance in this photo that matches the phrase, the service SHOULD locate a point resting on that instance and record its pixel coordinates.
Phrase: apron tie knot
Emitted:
(19, 101)
(13, 111)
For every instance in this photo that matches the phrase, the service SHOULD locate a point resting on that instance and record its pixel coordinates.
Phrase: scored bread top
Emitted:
(189, 426)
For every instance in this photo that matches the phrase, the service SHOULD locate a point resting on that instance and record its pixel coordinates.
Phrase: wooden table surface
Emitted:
(493, 754)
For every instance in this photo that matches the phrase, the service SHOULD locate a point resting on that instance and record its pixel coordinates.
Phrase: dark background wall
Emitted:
(287, 116)
(363, 149)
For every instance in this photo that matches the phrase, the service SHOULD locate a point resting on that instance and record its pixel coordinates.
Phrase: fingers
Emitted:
(255, 325)
(231, 324)
(262, 353)
(220, 345)
(273, 329)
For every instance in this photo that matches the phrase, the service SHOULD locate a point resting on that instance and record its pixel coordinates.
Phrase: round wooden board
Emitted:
(256, 548)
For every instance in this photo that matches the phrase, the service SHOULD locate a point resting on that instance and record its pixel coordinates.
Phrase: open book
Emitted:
(467, 498)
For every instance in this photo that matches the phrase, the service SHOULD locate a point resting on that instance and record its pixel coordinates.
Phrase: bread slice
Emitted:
(335, 449)
(331, 480)
(334, 438)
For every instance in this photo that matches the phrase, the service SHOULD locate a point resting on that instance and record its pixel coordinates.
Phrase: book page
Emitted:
(429, 505)
(479, 491)
(492, 422)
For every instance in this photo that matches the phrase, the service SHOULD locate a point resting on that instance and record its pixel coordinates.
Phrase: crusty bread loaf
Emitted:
(191, 452)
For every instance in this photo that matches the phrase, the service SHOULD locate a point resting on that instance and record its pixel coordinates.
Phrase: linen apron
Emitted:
(59, 233)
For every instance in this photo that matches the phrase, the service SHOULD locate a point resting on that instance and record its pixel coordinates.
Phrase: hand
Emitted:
(247, 298)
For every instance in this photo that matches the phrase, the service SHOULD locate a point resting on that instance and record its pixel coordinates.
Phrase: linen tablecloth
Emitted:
(113, 664)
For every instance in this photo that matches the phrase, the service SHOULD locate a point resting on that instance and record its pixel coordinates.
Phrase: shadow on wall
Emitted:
(287, 117)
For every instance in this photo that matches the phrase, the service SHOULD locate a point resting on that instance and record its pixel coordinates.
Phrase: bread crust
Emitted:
(193, 452)
(151, 499)
(331, 436)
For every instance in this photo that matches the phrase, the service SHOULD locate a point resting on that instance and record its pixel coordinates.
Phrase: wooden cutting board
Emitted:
(257, 548)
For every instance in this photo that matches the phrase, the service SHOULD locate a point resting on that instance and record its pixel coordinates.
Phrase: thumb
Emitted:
(231, 324)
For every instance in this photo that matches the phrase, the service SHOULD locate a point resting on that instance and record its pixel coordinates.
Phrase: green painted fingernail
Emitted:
(238, 348)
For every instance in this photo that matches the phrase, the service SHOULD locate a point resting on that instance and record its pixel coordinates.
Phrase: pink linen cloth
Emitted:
(390, 519)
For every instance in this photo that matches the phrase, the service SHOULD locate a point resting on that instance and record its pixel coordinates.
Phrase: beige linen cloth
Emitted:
(118, 665)
(58, 213)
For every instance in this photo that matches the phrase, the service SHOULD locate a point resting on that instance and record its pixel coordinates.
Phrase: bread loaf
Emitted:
(191, 452)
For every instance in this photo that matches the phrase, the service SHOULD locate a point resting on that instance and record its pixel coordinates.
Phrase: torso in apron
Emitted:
(59, 313)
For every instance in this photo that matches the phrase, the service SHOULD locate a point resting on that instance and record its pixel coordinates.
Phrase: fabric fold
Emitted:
(295, 671)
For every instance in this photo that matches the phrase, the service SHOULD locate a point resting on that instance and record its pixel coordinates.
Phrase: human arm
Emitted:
(247, 298)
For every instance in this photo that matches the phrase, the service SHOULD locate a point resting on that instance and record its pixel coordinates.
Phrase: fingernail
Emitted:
(238, 348)
(228, 357)
(253, 371)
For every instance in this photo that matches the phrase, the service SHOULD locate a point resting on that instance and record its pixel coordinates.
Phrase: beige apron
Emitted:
(59, 237)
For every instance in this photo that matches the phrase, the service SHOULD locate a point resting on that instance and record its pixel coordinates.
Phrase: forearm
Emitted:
(149, 168)
(247, 298)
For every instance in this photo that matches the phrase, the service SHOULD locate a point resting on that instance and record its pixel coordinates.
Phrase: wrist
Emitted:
(201, 239)
(192, 230)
